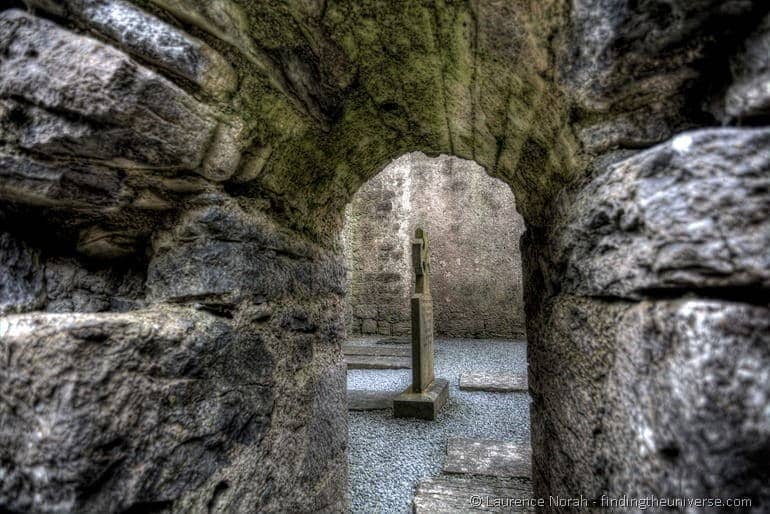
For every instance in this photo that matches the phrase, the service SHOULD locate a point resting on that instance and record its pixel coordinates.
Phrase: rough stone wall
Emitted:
(474, 233)
(659, 311)
(164, 347)
(174, 174)
(648, 289)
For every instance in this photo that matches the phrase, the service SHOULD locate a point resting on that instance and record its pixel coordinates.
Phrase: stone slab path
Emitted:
(392, 459)
(453, 494)
(370, 400)
(377, 356)
(395, 340)
(495, 382)
(377, 362)
(379, 350)
(479, 475)
(487, 457)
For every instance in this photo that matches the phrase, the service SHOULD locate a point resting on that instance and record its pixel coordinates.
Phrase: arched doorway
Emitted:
(482, 434)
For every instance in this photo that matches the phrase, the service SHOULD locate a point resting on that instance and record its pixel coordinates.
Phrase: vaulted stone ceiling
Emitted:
(296, 104)
(299, 103)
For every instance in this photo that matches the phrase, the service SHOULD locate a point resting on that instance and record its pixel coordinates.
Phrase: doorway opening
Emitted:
(482, 434)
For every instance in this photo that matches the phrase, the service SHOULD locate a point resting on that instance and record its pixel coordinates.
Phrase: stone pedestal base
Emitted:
(422, 405)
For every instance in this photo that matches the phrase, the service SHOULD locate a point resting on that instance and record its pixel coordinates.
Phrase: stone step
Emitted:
(370, 400)
(396, 351)
(496, 382)
(395, 340)
(377, 362)
(449, 494)
(504, 459)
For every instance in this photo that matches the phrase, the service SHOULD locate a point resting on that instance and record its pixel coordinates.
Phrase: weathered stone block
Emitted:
(425, 405)
(148, 399)
(377, 350)
(87, 188)
(652, 123)
(369, 326)
(391, 313)
(609, 65)
(690, 213)
(365, 311)
(22, 280)
(150, 39)
(401, 328)
(370, 400)
(679, 385)
(501, 459)
(184, 409)
(448, 493)
(224, 252)
(353, 326)
(106, 107)
(71, 287)
(709, 360)
(383, 328)
(493, 381)
(377, 362)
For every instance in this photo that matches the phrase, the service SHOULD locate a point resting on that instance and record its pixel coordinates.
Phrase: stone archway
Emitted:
(174, 173)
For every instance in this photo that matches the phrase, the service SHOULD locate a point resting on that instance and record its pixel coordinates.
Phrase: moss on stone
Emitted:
(344, 87)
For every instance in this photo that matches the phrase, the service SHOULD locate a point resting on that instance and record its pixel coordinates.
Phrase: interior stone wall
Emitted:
(173, 177)
(473, 231)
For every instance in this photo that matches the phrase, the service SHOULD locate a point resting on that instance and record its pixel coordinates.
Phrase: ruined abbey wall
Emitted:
(474, 233)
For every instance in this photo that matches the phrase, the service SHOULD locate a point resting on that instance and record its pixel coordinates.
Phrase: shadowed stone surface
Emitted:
(748, 97)
(500, 459)
(612, 63)
(36, 280)
(222, 254)
(21, 283)
(493, 382)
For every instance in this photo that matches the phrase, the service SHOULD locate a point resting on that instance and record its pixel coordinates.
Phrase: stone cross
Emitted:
(427, 394)
(422, 315)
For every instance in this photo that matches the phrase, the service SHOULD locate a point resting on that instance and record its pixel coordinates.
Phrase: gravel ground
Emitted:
(388, 456)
